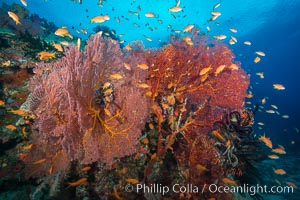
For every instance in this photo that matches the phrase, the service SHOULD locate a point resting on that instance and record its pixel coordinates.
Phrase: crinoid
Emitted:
(234, 142)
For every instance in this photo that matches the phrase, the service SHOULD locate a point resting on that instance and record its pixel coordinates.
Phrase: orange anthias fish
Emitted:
(39, 161)
(24, 2)
(100, 19)
(14, 17)
(188, 28)
(143, 85)
(27, 147)
(273, 156)
(201, 168)
(279, 151)
(218, 135)
(219, 69)
(260, 53)
(266, 140)
(256, 59)
(58, 47)
(220, 37)
(46, 55)
(205, 70)
(19, 112)
(247, 43)
(176, 8)
(143, 66)
(85, 169)
(11, 127)
(291, 184)
(78, 182)
(62, 32)
(149, 14)
(279, 171)
(132, 181)
(116, 76)
(229, 181)
(278, 86)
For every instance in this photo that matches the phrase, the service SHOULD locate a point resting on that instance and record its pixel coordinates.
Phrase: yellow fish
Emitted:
(14, 17)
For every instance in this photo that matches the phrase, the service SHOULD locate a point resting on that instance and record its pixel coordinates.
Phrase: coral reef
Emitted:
(105, 117)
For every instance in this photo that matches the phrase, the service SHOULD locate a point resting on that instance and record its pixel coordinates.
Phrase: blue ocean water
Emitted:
(272, 26)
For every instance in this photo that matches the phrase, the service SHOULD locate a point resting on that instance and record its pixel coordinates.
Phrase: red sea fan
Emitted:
(87, 108)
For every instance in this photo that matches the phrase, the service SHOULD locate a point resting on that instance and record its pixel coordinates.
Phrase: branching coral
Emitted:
(68, 115)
